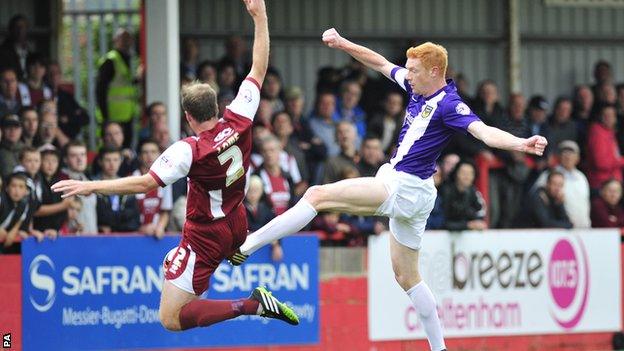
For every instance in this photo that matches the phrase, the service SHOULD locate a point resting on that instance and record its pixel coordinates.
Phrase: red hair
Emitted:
(431, 55)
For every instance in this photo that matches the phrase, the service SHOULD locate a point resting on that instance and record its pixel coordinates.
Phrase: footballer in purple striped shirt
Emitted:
(403, 189)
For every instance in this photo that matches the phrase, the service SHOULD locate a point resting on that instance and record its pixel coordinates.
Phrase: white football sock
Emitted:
(425, 304)
(287, 223)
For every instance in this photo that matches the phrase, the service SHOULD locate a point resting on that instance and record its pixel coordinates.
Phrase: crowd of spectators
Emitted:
(350, 131)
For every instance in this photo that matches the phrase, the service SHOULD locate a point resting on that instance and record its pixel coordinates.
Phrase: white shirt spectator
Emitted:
(576, 190)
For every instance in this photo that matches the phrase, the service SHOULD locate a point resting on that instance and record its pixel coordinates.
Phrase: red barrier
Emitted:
(11, 301)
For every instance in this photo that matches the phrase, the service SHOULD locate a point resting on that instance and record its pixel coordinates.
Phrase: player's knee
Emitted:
(405, 278)
(169, 321)
(315, 195)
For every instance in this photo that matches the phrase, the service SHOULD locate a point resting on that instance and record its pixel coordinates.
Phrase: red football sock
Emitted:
(202, 313)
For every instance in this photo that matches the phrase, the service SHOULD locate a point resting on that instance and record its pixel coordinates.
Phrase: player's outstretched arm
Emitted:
(494, 137)
(260, 60)
(122, 186)
(368, 57)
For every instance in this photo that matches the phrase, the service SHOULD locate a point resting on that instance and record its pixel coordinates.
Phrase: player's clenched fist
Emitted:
(255, 7)
(332, 38)
(535, 145)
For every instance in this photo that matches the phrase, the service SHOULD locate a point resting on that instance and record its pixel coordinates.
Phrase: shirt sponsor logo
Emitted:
(223, 134)
(246, 94)
(166, 162)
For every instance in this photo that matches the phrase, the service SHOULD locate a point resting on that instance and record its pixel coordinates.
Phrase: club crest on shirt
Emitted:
(427, 111)
(462, 109)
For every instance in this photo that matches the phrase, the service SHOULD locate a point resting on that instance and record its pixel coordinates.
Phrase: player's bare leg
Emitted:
(405, 266)
(180, 310)
(172, 299)
(361, 196)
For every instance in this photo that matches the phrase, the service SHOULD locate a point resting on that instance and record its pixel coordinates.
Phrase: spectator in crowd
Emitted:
(15, 49)
(561, 125)
(224, 99)
(605, 95)
(161, 134)
(10, 101)
(464, 207)
(346, 135)
(115, 213)
(583, 102)
(264, 113)
(515, 122)
(30, 126)
(190, 59)
(295, 103)
(606, 210)
(114, 139)
(34, 90)
(155, 206)
(156, 112)
(603, 74)
(582, 114)
(448, 163)
(507, 185)
(259, 213)
(258, 209)
(73, 225)
(387, 124)
(575, 188)
(486, 105)
(283, 128)
(322, 122)
(227, 79)
(372, 157)
(75, 160)
(272, 90)
(13, 211)
(537, 125)
(313, 148)
(10, 146)
(537, 113)
(235, 56)
(545, 208)
(603, 157)
(30, 163)
(53, 210)
(461, 82)
(207, 73)
(327, 80)
(348, 107)
(116, 86)
(332, 229)
(49, 132)
(620, 100)
(436, 217)
(278, 184)
(71, 116)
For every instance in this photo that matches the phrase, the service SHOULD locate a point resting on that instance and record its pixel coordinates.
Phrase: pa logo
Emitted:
(44, 293)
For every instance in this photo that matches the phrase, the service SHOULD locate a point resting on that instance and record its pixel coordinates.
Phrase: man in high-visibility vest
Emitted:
(117, 90)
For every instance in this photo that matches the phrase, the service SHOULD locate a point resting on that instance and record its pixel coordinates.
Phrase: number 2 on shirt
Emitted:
(235, 170)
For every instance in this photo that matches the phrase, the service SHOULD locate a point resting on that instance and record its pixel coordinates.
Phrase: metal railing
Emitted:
(85, 24)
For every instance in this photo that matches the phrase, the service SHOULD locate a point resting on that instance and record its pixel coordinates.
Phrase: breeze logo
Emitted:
(40, 272)
(568, 280)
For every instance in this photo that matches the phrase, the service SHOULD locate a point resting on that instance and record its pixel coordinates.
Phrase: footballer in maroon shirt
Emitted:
(215, 161)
